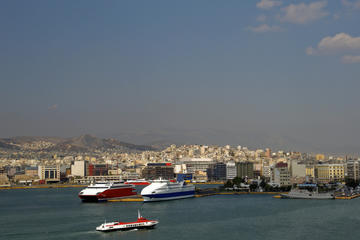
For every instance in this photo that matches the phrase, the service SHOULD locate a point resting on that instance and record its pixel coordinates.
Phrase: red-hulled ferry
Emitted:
(102, 191)
(138, 182)
(140, 223)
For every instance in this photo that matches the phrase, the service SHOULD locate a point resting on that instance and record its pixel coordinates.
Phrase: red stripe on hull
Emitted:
(116, 193)
(138, 183)
(110, 194)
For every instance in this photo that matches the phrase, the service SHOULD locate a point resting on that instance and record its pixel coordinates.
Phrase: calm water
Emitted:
(59, 214)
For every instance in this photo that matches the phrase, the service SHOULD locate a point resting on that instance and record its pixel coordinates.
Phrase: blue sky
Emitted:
(280, 74)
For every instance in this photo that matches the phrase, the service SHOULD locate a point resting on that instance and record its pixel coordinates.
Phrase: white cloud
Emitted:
(261, 18)
(352, 4)
(304, 13)
(268, 4)
(350, 59)
(265, 28)
(339, 42)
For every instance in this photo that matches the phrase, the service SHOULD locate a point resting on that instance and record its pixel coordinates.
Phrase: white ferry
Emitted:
(160, 190)
(139, 224)
(137, 182)
(102, 191)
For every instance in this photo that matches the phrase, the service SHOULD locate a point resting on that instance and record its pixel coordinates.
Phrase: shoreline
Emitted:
(44, 186)
(72, 186)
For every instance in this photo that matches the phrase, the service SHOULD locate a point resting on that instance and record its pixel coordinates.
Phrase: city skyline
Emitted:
(269, 73)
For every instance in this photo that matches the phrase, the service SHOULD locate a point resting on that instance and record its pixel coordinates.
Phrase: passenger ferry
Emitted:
(138, 182)
(139, 224)
(102, 191)
(160, 190)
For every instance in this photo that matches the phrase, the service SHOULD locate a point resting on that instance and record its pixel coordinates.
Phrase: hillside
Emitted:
(84, 143)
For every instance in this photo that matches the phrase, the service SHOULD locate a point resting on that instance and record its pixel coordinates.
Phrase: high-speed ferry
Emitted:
(160, 190)
(102, 191)
(137, 182)
(140, 223)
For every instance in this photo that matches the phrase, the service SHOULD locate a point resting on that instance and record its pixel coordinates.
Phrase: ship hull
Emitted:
(316, 197)
(168, 196)
(138, 183)
(107, 194)
(126, 229)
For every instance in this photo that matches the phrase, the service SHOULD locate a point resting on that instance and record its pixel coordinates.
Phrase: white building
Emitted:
(180, 168)
(79, 168)
(230, 170)
(197, 164)
(297, 170)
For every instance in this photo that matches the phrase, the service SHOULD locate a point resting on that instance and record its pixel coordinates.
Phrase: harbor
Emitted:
(61, 214)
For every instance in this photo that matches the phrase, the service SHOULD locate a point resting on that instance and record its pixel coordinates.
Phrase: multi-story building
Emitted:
(258, 169)
(267, 172)
(216, 172)
(80, 168)
(329, 173)
(230, 170)
(98, 169)
(158, 170)
(352, 167)
(298, 172)
(31, 171)
(49, 173)
(281, 175)
(310, 171)
(197, 164)
(245, 169)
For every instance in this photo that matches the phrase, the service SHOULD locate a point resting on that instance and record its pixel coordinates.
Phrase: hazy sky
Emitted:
(282, 74)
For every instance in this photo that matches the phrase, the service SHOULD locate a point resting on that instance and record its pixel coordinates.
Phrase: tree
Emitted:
(268, 188)
(228, 184)
(237, 181)
(351, 182)
(253, 187)
(263, 184)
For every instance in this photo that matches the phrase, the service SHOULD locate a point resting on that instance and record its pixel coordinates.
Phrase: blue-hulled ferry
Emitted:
(160, 190)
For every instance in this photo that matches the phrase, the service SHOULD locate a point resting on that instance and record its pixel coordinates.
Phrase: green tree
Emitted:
(237, 181)
(253, 187)
(228, 184)
(351, 182)
(263, 184)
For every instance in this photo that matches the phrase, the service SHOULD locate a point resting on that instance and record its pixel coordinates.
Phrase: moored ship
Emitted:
(139, 224)
(137, 182)
(160, 190)
(307, 191)
(102, 191)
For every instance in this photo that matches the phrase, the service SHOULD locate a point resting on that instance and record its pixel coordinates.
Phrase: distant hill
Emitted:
(85, 143)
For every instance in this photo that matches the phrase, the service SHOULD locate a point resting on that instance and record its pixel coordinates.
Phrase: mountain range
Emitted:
(84, 143)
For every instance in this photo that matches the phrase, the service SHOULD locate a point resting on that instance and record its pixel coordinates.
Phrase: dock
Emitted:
(205, 193)
(44, 186)
(347, 197)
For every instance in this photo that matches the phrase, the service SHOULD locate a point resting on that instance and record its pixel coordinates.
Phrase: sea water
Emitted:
(58, 213)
